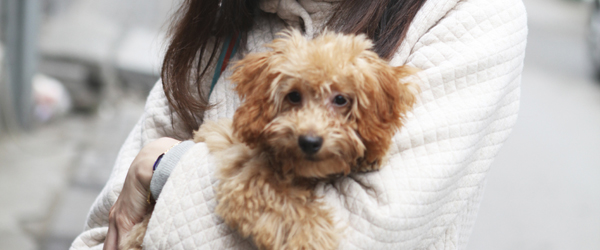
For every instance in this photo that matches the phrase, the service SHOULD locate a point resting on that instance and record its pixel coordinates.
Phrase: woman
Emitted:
(471, 55)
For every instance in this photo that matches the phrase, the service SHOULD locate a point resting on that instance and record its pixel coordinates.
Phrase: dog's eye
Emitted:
(294, 97)
(340, 100)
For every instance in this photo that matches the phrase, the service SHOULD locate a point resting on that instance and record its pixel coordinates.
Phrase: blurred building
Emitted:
(95, 49)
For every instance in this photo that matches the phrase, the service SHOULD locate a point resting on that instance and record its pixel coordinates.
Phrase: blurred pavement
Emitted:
(50, 177)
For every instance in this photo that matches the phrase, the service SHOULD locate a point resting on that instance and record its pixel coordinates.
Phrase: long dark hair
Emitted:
(199, 26)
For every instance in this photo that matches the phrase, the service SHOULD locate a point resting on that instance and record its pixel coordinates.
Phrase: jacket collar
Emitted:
(309, 15)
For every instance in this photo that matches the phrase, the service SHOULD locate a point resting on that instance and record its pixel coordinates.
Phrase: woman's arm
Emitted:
(132, 204)
(428, 196)
(133, 168)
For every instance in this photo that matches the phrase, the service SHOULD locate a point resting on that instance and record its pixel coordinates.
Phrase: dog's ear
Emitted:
(255, 77)
(381, 110)
(253, 84)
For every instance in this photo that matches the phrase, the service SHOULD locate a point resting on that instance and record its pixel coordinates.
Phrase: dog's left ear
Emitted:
(253, 83)
(255, 77)
(389, 98)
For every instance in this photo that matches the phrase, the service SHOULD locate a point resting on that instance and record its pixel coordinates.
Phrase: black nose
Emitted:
(310, 144)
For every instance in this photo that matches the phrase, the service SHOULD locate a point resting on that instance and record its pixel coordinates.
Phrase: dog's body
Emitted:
(278, 211)
(311, 109)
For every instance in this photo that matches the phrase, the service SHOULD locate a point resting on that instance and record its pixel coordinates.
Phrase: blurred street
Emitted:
(107, 54)
(543, 191)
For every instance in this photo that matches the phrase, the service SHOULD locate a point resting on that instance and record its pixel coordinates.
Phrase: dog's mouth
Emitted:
(312, 158)
(321, 167)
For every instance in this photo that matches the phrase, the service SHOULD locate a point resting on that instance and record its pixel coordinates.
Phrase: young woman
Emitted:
(471, 56)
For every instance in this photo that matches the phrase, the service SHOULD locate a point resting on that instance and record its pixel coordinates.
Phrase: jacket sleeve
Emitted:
(154, 123)
(428, 196)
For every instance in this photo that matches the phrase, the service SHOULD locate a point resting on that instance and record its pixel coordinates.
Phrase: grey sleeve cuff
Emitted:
(166, 165)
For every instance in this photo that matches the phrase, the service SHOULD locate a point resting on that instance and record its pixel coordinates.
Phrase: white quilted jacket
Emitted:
(471, 54)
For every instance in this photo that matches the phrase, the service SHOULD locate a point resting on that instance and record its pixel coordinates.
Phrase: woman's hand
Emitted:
(131, 206)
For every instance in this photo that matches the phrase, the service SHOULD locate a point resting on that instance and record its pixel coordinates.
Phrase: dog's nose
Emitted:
(310, 144)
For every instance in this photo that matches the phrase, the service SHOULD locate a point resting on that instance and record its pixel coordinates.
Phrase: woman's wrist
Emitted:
(166, 165)
(131, 205)
(144, 162)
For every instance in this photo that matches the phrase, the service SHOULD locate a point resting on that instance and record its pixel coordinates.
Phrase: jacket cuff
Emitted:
(166, 165)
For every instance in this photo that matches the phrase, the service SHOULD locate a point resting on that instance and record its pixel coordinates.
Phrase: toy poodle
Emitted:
(311, 109)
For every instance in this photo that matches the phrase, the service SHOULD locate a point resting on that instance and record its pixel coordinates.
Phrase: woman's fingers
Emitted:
(110, 243)
(131, 205)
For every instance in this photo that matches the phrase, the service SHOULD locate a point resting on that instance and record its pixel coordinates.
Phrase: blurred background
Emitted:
(74, 75)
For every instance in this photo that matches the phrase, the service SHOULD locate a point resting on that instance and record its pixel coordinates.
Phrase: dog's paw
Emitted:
(369, 168)
(364, 166)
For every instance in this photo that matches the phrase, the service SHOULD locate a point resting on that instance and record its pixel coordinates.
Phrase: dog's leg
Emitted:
(218, 135)
(276, 214)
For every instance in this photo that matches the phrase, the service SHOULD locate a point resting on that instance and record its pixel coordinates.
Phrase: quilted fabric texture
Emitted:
(471, 54)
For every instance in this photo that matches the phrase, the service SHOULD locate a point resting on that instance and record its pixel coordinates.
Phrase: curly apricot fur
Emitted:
(266, 179)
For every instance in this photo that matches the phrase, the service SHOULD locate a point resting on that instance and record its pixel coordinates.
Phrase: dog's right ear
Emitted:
(253, 79)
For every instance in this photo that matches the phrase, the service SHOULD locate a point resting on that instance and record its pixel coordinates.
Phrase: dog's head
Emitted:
(320, 106)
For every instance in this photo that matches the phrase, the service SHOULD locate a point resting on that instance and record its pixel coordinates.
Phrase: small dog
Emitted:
(311, 109)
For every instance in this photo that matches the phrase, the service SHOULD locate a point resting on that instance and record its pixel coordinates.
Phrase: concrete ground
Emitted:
(543, 191)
